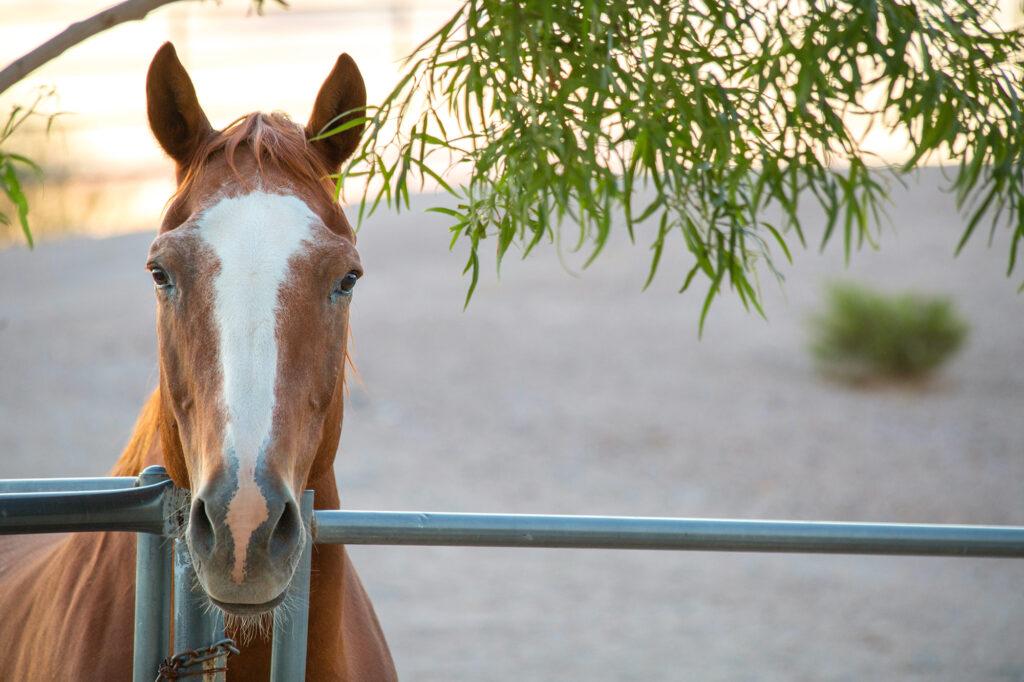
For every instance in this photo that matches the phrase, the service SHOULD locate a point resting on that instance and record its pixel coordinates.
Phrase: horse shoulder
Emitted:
(67, 607)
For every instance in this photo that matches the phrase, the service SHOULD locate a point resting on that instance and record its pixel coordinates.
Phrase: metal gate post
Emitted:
(291, 620)
(152, 593)
(197, 623)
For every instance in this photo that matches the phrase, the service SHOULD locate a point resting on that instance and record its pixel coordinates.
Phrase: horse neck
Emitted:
(325, 490)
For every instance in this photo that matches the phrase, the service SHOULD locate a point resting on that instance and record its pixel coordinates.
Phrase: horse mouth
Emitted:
(237, 609)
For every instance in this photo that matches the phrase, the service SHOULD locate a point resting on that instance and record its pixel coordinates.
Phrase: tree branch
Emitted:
(130, 10)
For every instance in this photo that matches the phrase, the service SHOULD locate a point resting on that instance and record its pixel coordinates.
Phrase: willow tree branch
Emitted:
(130, 10)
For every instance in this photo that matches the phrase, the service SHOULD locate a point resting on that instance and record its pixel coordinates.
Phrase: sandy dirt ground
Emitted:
(561, 394)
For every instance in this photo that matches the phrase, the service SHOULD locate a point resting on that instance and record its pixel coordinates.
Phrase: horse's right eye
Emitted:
(159, 276)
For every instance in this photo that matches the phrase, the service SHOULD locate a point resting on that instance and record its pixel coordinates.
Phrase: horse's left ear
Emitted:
(343, 91)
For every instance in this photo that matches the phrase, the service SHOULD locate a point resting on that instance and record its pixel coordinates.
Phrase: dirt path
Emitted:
(564, 395)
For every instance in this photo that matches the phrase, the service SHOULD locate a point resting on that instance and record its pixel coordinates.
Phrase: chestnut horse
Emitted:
(254, 267)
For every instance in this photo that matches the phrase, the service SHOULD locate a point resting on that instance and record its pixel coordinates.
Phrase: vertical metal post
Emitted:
(291, 620)
(197, 624)
(152, 594)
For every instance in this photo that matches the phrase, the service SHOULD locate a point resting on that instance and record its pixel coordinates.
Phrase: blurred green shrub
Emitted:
(863, 334)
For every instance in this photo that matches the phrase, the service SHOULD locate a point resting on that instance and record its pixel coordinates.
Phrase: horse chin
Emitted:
(245, 610)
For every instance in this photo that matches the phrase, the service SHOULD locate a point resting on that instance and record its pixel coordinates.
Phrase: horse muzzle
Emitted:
(245, 551)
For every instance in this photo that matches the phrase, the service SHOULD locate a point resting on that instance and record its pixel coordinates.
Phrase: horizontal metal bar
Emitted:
(52, 485)
(601, 532)
(134, 509)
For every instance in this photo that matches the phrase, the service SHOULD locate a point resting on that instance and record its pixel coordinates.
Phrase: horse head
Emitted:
(254, 268)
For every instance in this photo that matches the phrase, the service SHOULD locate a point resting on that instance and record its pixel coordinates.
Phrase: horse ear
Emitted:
(343, 91)
(175, 117)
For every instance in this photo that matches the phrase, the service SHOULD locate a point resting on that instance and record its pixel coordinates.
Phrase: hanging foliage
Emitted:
(693, 122)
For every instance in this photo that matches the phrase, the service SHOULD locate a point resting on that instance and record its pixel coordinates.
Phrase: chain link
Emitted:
(171, 667)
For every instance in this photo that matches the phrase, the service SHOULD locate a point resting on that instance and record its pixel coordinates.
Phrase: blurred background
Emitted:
(556, 391)
(104, 173)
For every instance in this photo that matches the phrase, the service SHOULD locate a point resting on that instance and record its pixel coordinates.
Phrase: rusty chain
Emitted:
(171, 667)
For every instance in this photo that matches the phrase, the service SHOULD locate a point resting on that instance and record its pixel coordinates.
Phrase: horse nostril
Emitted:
(287, 532)
(200, 528)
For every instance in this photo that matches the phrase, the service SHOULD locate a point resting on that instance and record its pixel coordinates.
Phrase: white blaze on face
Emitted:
(253, 237)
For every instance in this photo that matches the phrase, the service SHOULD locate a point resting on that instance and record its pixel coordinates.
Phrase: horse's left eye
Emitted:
(346, 285)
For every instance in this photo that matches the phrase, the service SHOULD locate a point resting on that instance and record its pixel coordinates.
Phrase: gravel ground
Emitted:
(555, 393)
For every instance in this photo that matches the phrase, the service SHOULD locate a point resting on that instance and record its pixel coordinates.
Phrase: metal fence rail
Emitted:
(50, 485)
(148, 505)
(140, 510)
(625, 532)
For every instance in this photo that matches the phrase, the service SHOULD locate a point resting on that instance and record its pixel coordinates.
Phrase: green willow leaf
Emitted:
(561, 119)
(12, 188)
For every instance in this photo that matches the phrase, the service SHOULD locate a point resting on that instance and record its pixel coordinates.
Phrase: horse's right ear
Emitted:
(175, 117)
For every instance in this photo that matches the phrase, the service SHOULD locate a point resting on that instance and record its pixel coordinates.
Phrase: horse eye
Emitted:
(347, 284)
(159, 276)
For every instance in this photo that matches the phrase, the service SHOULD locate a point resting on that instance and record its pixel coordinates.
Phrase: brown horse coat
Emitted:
(67, 601)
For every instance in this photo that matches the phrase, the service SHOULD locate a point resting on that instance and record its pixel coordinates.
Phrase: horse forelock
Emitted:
(252, 149)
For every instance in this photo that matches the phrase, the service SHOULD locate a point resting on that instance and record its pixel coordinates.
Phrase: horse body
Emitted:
(254, 267)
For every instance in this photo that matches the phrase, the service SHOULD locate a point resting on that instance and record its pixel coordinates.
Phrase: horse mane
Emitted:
(273, 140)
(134, 458)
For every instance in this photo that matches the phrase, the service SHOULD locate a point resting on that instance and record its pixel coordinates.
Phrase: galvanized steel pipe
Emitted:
(598, 532)
(291, 623)
(196, 624)
(153, 573)
(133, 509)
(55, 485)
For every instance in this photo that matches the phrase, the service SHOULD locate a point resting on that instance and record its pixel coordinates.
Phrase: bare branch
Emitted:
(130, 10)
